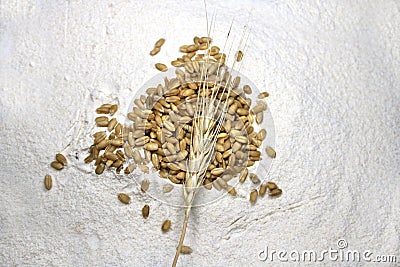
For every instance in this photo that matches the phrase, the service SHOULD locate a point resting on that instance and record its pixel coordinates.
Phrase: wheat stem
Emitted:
(185, 222)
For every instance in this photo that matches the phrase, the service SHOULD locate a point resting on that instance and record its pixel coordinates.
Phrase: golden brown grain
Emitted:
(113, 109)
(275, 192)
(205, 40)
(120, 155)
(137, 157)
(48, 182)
(117, 163)
(155, 160)
(231, 190)
(203, 46)
(104, 109)
(207, 184)
(186, 250)
(60, 158)
(259, 107)
(270, 152)
(254, 178)
(263, 95)
(243, 175)
(118, 129)
(242, 139)
(57, 165)
(253, 195)
(110, 156)
(144, 168)
(124, 198)
(263, 189)
(247, 89)
(250, 163)
(102, 144)
(183, 48)
(145, 185)
(100, 168)
(99, 137)
(145, 211)
(160, 42)
(116, 142)
(130, 168)
(214, 50)
(101, 133)
(259, 117)
(166, 226)
(155, 51)
(151, 146)
(111, 124)
(271, 186)
(161, 67)
(239, 56)
(262, 134)
(88, 159)
(102, 121)
(167, 188)
(217, 171)
(109, 163)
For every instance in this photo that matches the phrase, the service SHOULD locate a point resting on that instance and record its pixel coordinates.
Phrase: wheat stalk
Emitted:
(209, 117)
(204, 133)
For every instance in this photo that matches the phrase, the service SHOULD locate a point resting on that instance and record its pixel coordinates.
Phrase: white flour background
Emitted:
(332, 70)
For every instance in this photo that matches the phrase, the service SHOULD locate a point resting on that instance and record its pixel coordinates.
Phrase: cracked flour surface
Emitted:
(332, 71)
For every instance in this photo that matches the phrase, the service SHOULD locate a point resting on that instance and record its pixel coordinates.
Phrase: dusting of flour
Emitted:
(331, 69)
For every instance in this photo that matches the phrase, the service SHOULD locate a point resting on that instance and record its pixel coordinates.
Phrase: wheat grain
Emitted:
(253, 195)
(186, 250)
(160, 42)
(161, 67)
(263, 190)
(239, 56)
(48, 182)
(145, 211)
(263, 95)
(113, 109)
(98, 137)
(144, 169)
(262, 134)
(254, 178)
(167, 188)
(259, 117)
(103, 144)
(57, 165)
(103, 109)
(124, 198)
(155, 51)
(231, 190)
(117, 142)
(270, 152)
(145, 185)
(101, 121)
(166, 226)
(271, 186)
(111, 124)
(60, 158)
(243, 175)
(130, 168)
(100, 168)
(275, 192)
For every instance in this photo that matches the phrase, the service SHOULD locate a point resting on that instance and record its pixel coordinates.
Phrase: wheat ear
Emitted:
(209, 116)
